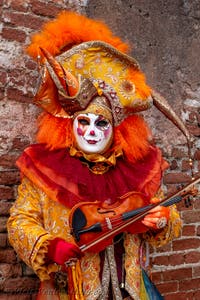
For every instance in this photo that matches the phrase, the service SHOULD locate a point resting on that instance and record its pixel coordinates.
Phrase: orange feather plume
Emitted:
(132, 136)
(55, 133)
(69, 29)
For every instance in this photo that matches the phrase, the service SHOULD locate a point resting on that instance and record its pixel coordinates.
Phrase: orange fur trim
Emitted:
(138, 78)
(69, 29)
(133, 137)
(55, 132)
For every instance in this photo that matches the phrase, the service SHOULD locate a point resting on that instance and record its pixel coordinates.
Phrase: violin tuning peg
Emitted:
(188, 201)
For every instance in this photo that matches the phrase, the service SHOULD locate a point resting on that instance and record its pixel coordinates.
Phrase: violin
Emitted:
(94, 225)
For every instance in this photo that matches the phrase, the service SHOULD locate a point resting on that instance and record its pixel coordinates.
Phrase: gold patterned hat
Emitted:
(80, 59)
(98, 69)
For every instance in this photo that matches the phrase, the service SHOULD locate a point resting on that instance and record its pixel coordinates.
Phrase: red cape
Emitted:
(67, 180)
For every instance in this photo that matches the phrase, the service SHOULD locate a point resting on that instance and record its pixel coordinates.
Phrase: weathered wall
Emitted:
(165, 38)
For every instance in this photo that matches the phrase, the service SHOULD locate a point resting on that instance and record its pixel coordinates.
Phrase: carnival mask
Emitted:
(93, 133)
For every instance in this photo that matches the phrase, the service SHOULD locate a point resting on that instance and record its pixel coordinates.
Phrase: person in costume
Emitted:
(92, 146)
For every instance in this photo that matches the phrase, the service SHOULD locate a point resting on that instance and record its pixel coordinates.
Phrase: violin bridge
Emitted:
(109, 224)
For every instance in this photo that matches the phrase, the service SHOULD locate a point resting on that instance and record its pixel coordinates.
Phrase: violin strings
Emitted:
(115, 221)
(108, 234)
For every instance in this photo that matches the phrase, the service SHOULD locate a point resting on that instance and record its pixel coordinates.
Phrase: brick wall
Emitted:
(176, 267)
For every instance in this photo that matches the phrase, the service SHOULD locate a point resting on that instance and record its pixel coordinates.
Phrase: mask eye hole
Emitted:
(83, 121)
(102, 124)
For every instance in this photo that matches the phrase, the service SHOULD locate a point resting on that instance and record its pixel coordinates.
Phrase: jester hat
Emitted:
(80, 59)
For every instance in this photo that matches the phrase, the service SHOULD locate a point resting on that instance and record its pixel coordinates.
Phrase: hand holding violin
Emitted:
(60, 251)
(158, 217)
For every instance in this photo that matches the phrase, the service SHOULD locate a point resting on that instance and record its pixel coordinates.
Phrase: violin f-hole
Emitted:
(102, 211)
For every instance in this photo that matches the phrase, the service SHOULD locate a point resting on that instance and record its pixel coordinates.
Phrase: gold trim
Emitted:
(86, 45)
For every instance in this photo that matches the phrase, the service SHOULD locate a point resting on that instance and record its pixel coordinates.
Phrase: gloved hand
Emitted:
(158, 217)
(60, 251)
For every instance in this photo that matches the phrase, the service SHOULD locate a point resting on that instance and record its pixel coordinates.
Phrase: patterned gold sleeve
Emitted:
(26, 231)
(169, 232)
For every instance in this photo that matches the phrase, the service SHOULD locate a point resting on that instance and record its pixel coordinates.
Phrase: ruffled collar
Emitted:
(97, 163)
(69, 181)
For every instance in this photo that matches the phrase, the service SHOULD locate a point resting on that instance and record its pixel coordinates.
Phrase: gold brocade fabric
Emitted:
(97, 163)
(100, 62)
(35, 220)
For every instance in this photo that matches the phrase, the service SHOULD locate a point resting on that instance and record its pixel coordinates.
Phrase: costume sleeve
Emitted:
(26, 231)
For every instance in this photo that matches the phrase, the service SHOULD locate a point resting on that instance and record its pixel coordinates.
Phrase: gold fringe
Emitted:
(77, 281)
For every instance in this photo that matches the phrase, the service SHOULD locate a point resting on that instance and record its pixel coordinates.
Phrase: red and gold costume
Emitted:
(56, 175)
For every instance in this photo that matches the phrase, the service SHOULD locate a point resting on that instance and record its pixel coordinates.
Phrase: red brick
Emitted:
(176, 178)
(194, 130)
(44, 8)
(3, 240)
(2, 93)
(22, 19)
(156, 277)
(3, 224)
(10, 270)
(179, 296)
(19, 5)
(184, 244)
(185, 165)
(188, 230)
(18, 95)
(20, 143)
(168, 286)
(198, 230)
(190, 216)
(8, 160)
(15, 297)
(173, 165)
(196, 295)
(17, 77)
(196, 271)
(165, 248)
(6, 192)
(161, 260)
(21, 285)
(178, 153)
(30, 64)
(171, 189)
(176, 259)
(3, 78)
(196, 202)
(14, 34)
(177, 274)
(4, 208)
(192, 257)
(7, 256)
(9, 177)
(189, 284)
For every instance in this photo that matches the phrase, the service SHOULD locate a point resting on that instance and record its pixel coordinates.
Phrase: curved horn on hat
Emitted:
(47, 96)
(162, 104)
(66, 83)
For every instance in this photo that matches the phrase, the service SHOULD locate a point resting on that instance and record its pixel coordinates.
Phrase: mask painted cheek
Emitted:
(80, 131)
(107, 132)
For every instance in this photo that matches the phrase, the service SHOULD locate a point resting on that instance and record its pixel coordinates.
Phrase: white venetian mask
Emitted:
(93, 133)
